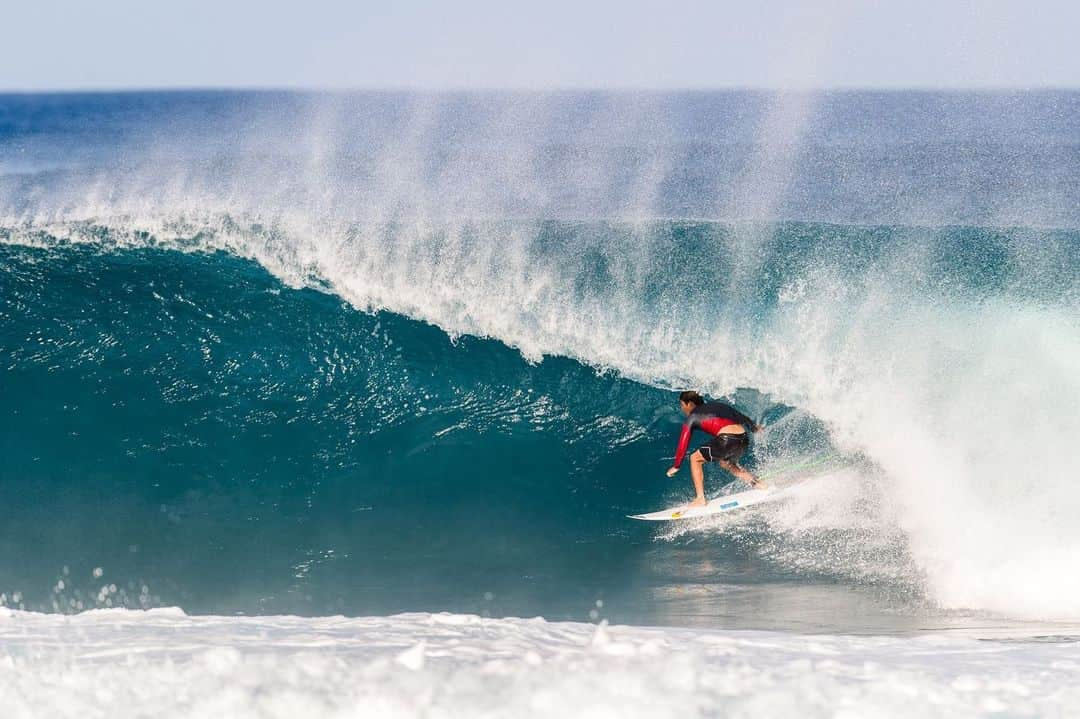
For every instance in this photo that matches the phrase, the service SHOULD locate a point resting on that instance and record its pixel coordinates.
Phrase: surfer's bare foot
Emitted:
(699, 502)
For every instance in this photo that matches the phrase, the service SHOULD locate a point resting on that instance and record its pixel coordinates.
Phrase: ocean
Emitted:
(377, 377)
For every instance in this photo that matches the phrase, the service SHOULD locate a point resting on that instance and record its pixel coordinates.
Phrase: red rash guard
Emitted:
(710, 417)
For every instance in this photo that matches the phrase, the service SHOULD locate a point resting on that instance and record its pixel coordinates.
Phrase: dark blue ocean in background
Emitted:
(367, 353)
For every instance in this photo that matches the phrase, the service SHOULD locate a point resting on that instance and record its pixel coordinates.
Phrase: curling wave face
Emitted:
(170, 404)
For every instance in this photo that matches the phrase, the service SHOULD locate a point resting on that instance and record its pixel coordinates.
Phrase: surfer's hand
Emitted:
(671, 472)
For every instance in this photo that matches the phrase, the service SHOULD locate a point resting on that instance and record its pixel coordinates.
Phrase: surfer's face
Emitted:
(687, 407)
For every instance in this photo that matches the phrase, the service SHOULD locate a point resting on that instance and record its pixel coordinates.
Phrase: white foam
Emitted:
(121, 663)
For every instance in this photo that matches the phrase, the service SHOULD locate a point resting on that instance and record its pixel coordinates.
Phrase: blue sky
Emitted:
(75, 44)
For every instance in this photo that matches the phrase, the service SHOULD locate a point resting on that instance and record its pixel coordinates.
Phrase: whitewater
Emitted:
(384, 373)
(438, 665)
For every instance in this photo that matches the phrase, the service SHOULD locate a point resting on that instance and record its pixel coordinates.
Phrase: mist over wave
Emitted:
(922, 158)
(945, 355)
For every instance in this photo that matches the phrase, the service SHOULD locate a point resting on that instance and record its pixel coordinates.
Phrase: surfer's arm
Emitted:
(684, 444)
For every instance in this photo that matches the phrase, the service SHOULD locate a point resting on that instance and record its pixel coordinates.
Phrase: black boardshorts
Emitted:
(725, 447)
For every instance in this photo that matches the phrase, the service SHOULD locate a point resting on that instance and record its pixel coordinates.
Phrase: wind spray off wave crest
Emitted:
(947, 354)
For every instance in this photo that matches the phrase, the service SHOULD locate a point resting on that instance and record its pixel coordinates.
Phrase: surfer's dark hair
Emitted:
(692, 397)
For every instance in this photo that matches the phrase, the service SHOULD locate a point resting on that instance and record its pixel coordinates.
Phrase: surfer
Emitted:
(728, 427)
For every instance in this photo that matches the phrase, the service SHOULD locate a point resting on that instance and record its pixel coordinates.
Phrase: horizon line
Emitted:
(509, 89)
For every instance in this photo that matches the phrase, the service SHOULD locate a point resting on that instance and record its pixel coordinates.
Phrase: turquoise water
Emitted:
(189, 424)
(365, 381)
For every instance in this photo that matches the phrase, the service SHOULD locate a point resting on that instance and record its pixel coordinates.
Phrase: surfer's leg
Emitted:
(732, 448)
(742, 474)
(697, 472)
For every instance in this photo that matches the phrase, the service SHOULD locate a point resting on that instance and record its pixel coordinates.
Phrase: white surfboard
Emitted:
(723, 503)
(791, 476)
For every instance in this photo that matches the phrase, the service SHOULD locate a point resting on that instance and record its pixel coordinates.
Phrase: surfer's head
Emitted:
(690, 399)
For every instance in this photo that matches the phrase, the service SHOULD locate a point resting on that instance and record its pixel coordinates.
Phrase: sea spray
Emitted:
(918, 313)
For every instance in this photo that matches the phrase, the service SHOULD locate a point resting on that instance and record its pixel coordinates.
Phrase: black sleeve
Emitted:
(743, 419)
